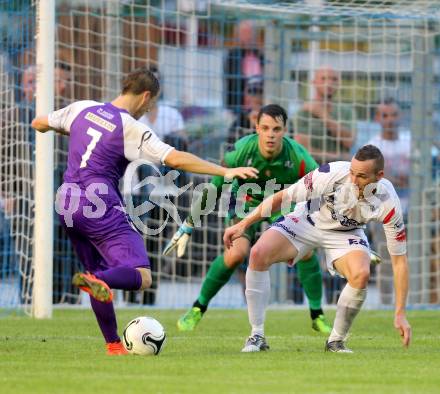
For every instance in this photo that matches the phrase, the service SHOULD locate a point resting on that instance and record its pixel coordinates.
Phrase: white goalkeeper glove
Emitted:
(179, 240)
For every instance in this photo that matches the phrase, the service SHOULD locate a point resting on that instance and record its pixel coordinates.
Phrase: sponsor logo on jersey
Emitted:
(293, 219)
(145, 137)
(105, 124)
(288, 164)
(360, 241)
(285, 228)
(105, 114)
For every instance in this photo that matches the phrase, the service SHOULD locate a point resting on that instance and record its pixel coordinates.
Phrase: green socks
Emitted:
(309, 274)
(218, 275)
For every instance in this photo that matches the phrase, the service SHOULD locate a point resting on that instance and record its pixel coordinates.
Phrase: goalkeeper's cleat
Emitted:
(179, 240)
(255, 343)
(375, 258)
(321, 324)
(337, 347)
(116, 349)
(190, 319)
(97, 288)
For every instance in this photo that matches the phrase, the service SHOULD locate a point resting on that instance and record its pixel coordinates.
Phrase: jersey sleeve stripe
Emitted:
(389, 216)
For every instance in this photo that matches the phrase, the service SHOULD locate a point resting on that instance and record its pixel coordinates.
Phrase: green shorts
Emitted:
(253, 231)
(250, 233)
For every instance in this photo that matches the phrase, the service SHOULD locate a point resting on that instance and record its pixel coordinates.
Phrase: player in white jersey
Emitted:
(335, 201)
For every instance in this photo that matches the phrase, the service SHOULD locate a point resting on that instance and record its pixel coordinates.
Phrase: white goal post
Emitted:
(44, 188)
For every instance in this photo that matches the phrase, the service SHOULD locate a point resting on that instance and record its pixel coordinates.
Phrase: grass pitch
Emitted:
(66, 355)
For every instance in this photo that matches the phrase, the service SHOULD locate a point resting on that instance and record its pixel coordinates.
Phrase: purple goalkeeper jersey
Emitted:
(103, 140)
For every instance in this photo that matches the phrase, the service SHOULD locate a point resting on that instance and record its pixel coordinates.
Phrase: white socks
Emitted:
(257, 297)
(349, 304)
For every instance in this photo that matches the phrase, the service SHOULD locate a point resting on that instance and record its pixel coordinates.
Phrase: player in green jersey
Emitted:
(281, 161)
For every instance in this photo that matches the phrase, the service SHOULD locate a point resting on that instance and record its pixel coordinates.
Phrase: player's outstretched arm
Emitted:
(191, 163)
(264, 210)
(400, 270)
(182, 236)
(41, 123)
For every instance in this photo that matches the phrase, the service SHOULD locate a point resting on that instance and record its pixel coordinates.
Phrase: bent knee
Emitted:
(234, 259)
(259, 258)
(146, 284)
(146, 278)
(360, 278)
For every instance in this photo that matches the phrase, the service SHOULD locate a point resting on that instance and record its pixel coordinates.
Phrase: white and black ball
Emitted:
(144, 336)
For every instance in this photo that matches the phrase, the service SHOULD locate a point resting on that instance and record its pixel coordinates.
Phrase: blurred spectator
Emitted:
(29, 86)
(166, 121)
(24, 140)
(325, 128)
(168, 124)
(8, 257)
(242, 62)
(395, 145)
(245, 122)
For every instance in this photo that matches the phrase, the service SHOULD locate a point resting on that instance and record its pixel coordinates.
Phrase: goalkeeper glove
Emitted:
(179, 240)
(375, 258)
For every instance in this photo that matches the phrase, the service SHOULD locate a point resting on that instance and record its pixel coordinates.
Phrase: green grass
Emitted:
(66, 355)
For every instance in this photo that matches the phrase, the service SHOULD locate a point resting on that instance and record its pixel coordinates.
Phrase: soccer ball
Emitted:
(144, 336)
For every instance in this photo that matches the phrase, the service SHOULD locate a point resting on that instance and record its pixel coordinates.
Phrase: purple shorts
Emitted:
(106, 242)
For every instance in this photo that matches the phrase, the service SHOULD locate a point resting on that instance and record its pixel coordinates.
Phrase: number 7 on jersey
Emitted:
(96, 136)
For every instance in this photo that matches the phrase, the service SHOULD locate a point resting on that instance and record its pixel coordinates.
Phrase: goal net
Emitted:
(373, 65)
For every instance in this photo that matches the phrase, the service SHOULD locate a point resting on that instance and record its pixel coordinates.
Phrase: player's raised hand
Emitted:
(241, 172)
(232, 233)
(402, 325)
(179, 240)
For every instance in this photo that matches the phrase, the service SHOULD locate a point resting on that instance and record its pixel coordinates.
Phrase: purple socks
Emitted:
(105, 315)
(123, 278)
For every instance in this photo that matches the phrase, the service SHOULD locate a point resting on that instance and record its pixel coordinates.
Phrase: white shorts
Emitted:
(300, 231)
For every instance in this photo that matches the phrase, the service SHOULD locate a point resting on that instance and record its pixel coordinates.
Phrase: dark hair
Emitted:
(152, 67)
(389, 101)
(371, 152)
(274, 111)
(254, 85)
(139, 81)
(63, 66)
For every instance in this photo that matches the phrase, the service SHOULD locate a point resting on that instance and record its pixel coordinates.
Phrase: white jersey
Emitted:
(329, 203)
(168, 120)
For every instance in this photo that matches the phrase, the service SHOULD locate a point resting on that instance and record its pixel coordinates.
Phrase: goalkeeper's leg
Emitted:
(309, 274)
(218, 275)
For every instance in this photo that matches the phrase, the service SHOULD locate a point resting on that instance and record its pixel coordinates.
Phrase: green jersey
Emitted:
(292, 163)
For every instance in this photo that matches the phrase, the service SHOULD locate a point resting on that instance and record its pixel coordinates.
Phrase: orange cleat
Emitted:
(116, 349)
(97, 288)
